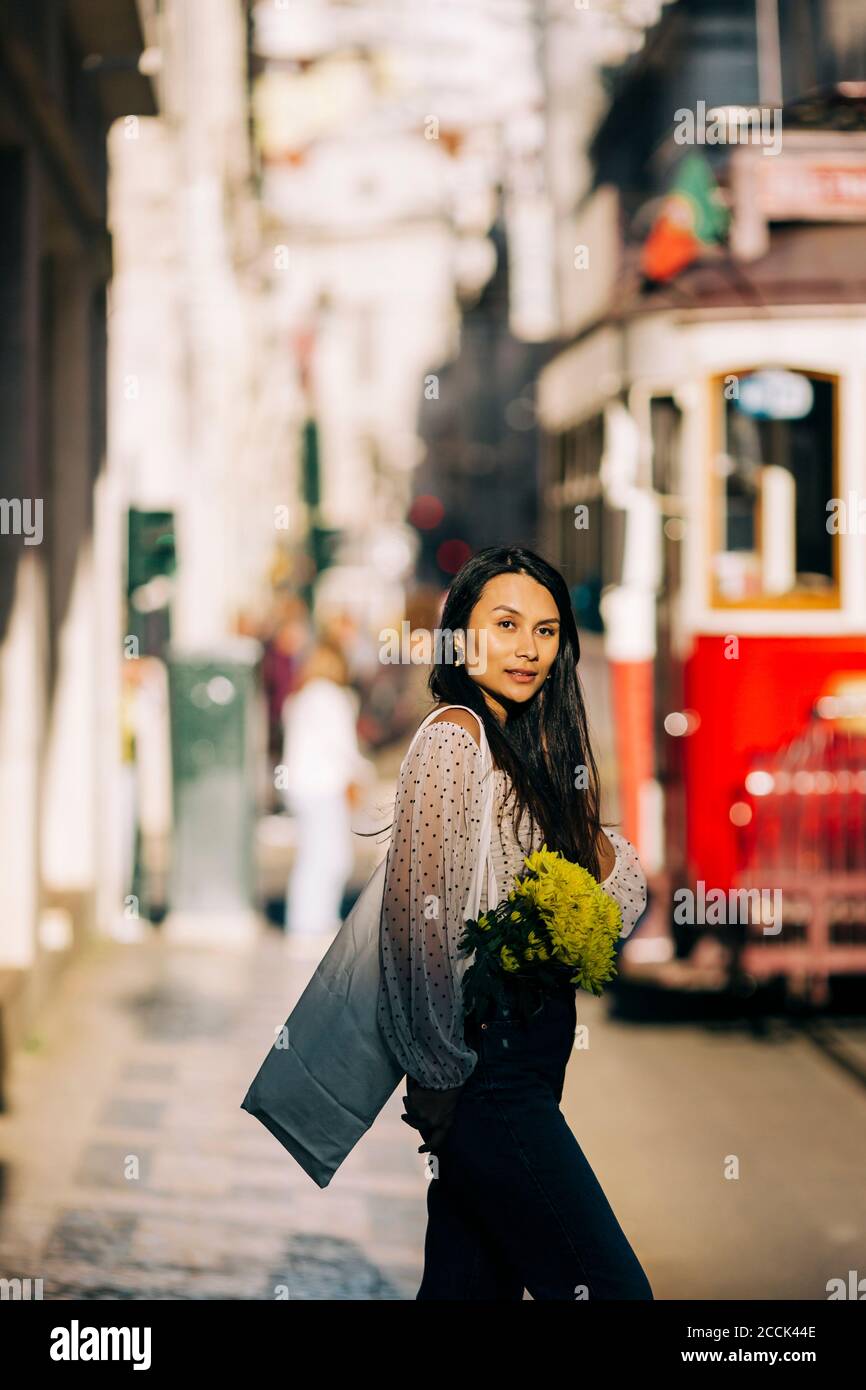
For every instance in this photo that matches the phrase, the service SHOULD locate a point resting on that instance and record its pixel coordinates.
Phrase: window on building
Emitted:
(774, 473)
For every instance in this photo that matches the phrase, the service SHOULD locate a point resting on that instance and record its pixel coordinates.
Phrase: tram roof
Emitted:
(806, 264)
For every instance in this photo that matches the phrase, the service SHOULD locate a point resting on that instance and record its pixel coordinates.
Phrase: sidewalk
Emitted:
(130, 1170)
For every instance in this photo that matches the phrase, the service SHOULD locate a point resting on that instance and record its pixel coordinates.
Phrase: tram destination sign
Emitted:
(776, 394)
(813, 179)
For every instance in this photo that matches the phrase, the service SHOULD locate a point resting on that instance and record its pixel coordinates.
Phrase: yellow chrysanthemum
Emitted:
(556, 912)
(583, 921)
(509, 960)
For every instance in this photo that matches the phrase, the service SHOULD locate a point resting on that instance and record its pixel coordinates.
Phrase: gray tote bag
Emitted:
(329, 1073)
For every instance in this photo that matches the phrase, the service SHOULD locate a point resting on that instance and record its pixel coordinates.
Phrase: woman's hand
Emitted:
(430, 1112)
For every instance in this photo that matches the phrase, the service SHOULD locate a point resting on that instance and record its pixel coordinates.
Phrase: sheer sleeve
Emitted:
(434, 846)
(627, 881)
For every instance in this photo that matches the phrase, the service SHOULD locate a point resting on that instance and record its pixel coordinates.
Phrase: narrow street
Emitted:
(146, 1055)
(362, 358)
(148, 1049)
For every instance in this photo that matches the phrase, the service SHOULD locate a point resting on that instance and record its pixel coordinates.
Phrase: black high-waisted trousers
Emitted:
(515, 1204)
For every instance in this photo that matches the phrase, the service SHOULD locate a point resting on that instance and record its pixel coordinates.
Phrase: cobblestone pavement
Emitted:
(130, 1171)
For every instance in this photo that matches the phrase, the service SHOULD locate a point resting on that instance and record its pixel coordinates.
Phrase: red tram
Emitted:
(704, 488)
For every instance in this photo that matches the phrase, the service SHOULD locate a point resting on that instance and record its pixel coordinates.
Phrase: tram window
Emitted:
(581, 529)
(775, 469)
(586, 567)
(665, 420)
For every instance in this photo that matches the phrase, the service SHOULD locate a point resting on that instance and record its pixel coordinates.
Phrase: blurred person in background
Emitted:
(145, 780)
(324, 773)
(284, 650)
(130, 669)
(345, 630)
(397, 699)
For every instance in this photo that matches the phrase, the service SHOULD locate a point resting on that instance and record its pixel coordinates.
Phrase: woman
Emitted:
(514, 1204)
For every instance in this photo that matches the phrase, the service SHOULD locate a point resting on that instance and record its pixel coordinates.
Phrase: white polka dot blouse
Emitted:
(434, 845)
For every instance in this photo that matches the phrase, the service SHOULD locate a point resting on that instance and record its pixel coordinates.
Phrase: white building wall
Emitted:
(203, 407)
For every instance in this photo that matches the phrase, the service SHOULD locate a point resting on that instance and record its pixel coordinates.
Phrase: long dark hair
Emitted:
(546, 740)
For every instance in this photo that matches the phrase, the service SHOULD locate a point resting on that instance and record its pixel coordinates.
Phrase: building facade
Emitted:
(66, 73)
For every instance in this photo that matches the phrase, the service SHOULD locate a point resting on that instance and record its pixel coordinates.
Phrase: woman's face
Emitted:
(512, 640)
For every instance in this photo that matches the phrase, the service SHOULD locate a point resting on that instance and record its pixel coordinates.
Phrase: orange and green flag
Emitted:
(692, 217)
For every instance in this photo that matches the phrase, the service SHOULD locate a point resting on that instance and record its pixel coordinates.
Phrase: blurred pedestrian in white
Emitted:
(145, 808)
(323, 773)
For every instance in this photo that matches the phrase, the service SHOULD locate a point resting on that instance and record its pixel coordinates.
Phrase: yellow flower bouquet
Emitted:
(557, 926)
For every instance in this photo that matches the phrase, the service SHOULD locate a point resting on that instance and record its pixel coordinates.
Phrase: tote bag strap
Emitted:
(485, 858)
